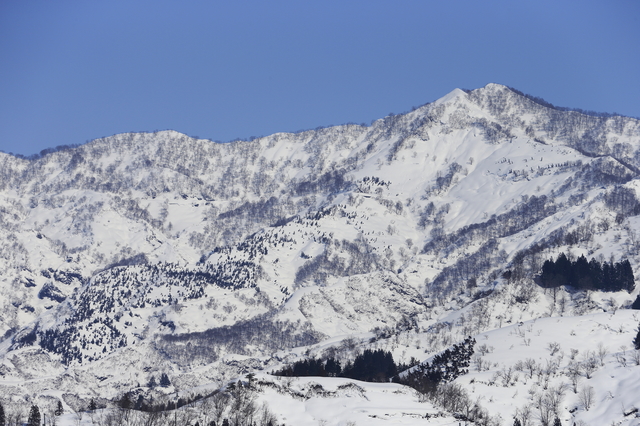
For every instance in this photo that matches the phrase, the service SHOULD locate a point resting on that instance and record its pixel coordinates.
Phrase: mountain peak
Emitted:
(451, 96)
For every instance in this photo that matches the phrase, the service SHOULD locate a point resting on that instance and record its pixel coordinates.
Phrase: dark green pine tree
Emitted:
(595, 274)
(125, 401)
(34, 416)
(557, 422)
(152, 382)
(624, 274)
(92, 405)
(59, 409)
(563, 269)
(581, 274)
(636, 303)
(2, 421)
(164, 380)
(608, 277)
(332, 367)
(516, 422)
(549, 274)
(636, 341)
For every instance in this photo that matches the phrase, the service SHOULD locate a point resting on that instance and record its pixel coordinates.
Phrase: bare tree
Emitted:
(602, 353)
(479, 363)
(524, 414)
(243, 407)
(545, 411)
(574, 372)
(621, 357)
(530, 366)
(586, 396)
(15, 413)
(265, 416)
(553, 348)
(507, 376)
(589, 363)
(554, 396)
(150, 418)
(562, 304)
(78, 406)
(185, 415)
(220, 402)
(573, 353)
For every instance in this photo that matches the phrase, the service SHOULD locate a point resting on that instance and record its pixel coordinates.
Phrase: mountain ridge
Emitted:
(137, 246)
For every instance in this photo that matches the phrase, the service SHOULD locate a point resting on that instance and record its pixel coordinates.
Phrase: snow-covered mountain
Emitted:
(148, 253)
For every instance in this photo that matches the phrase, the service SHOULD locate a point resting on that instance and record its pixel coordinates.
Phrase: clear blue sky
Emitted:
(76, 70)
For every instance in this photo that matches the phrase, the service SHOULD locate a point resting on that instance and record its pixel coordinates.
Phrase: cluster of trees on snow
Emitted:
(493, 132)
(586, 131)
(623, 200)
(432, 379)
(531, 210)
(234, 406)
(117, 291)
(36, 417)
(469, 267)
(258, 335)
(527, 263)
(587, 275)
(604, 171)
(332, 181)
(359, 258)
(137, 284)
(370, 366)
(443, 182)
(465, 269)
(443, 368)
(69, 342)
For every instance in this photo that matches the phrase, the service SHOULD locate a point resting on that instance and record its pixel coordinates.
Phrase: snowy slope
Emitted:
(146, 253)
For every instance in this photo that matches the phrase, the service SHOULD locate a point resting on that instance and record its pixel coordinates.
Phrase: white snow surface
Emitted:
(327, 231)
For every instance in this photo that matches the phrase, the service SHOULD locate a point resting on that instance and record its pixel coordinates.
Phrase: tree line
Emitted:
(370, 366)
(587, 275)
(379, 366)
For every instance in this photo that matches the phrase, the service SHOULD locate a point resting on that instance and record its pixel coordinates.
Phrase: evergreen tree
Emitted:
(2, 421)
(125, 401)
(563, 268)
(636, 341)
(152, 382)
(332, 367)
(625, 276)
(636, 303)
(139, 403)
(548, 277)
(581, 274)
(164, 380)
(557, 422)
(516, 422)
(59, 409)
(372, 366)
(92, 405)
(587, 275)
(34, 416)
(595, 272)
(608, 276)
